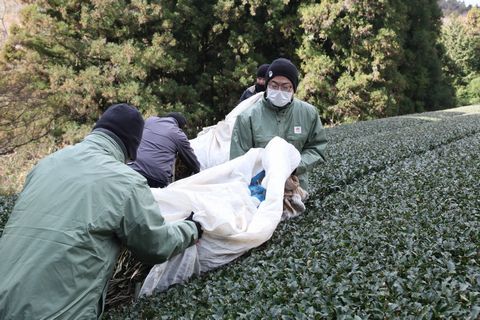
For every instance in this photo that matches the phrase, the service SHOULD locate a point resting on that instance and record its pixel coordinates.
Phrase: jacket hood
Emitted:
(126, 123)
(106, 142)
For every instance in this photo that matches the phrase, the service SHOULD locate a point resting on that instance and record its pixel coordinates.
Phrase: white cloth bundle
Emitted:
(212, 144)
(221, 200)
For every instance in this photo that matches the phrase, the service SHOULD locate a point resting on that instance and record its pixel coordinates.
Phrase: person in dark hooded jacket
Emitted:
(259, 85)
(78, 208)
(163, 139)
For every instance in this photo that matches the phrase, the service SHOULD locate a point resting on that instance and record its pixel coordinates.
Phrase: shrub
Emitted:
(391, 231)
(6, 206)
(471, 93)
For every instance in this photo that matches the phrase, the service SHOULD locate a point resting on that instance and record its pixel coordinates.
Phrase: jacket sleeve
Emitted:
(144, 231)
(241, 140)
(244, 95)
(314, 149)
(250, 91)
(186, 154)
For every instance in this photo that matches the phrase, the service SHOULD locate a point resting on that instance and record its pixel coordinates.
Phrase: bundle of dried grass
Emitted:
(126, 281)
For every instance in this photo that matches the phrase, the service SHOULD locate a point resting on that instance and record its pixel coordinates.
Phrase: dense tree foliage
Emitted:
(24, 113)
(461, 38)
(427, 88)
(358, 59)
(191, 56)
(366, 59)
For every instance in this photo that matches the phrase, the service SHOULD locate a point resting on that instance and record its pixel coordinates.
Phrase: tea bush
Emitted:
(6, 206)
(390, 231)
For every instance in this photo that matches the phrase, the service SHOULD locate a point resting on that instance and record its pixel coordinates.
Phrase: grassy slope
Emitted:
(391, 231)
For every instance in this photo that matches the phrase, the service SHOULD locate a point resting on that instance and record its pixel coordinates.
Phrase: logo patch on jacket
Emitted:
(297, 130)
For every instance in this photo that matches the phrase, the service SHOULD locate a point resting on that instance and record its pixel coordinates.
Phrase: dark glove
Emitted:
(197, 224)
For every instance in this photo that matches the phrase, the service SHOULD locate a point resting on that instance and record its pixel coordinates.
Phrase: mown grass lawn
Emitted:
(392, 230)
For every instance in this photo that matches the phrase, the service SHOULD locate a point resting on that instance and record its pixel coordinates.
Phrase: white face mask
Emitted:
(279, 98)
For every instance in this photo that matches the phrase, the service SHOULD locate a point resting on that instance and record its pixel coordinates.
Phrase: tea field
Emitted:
(392, 231)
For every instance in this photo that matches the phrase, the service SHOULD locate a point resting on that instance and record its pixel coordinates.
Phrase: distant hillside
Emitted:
(453, 7)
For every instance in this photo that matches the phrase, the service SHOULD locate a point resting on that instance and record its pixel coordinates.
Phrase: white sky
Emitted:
(472, 2)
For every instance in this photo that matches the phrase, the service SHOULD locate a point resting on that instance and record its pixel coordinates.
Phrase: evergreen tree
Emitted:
(25, 117)
(473, 21)
(190, 56)
(372, 58)
(461, 38)
(462, 51)
(359, 59)
(427, 87)
(351, 57)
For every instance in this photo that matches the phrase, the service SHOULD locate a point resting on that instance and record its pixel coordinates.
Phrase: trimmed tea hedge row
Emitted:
(374, 127)
(391, 231)
(404, 242)
(6, 206)
(356, 150)
(396, 239)
(400, 243)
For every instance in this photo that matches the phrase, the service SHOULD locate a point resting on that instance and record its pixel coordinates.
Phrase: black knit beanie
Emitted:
(283, 67)
(262, 70)
(126, 123)
(181, 121)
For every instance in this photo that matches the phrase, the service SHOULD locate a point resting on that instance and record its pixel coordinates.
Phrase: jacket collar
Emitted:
(105, 141)
(170, 120)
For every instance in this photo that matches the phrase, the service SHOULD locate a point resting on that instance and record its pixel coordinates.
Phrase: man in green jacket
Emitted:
(278, 113)
(79, 206)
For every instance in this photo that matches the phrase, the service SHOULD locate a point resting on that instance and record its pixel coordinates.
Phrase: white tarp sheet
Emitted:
(221, 200)
(212, 144)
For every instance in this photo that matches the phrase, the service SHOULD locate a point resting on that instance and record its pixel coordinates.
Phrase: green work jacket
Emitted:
(298, 123)
(78, 207)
